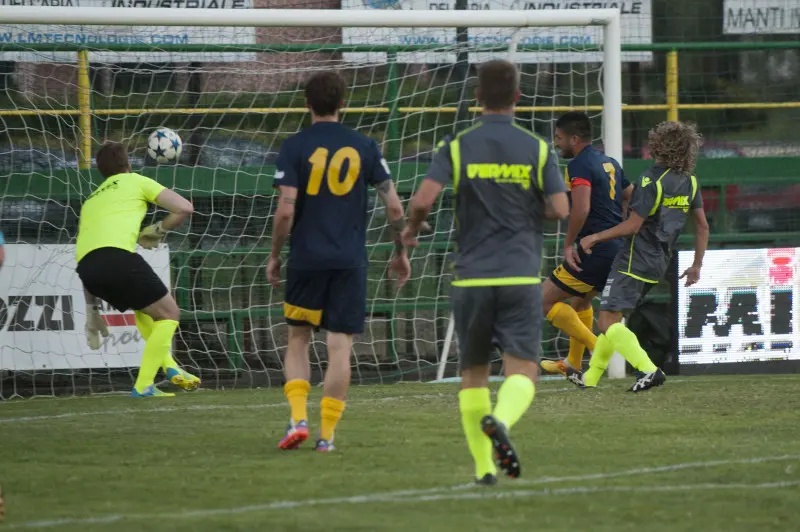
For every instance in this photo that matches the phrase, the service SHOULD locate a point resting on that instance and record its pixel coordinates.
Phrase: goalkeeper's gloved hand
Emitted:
(95, 326)
(151, 236)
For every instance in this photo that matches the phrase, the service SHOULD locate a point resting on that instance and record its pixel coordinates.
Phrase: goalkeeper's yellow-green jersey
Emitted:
(112, 215)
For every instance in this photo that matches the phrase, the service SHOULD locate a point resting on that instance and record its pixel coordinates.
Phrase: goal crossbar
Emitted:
(113, 16)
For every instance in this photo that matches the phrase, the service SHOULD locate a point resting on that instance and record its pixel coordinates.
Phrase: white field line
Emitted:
(395, 497)
(203, 408)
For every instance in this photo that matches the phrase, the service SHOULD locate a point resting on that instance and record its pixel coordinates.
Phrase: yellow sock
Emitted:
(513, 399)
(576, 348)
(475, 403)
(145, 325)
(156, 345)
(602, 353)
(331, 414)
(565, 318)
(627, 345)
(296, 392)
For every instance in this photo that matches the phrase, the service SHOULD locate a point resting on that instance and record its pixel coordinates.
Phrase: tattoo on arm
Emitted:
(289, 201)
(383, 189)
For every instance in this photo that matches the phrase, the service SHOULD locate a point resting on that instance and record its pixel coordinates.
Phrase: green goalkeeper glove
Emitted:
(151, 236)
(95, 326)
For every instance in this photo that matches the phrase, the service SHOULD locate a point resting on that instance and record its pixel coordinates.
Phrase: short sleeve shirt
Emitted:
(112, 215)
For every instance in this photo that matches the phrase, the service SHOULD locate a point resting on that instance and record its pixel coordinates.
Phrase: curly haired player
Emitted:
(665, 197)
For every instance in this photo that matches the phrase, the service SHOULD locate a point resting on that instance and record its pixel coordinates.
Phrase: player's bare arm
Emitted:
(627, 194)
(394, 211)
(421, 205)
(281, 226)
(179, 209)
(556, 206)
(626, 228)
(701, 232)
(581, 204)
(399, 265)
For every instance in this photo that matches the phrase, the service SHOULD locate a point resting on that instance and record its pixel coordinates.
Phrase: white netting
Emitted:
(233, 105)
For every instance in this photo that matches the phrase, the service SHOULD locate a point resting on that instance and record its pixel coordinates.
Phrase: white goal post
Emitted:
(608, 19)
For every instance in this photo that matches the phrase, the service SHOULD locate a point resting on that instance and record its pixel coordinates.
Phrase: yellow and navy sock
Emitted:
(332, 410)
(513, 399)
(565, 318)
(627, 345)
(603, 351)
(576, 347)
(156, 346)
(475, 403)
(296, 392)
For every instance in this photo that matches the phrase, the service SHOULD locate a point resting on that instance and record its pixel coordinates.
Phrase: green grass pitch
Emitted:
(701, 453)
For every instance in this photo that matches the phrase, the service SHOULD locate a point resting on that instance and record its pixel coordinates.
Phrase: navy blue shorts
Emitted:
(334, 300)
(592, 278)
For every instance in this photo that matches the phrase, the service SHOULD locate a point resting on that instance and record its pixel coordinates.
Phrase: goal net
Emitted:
(230, 82)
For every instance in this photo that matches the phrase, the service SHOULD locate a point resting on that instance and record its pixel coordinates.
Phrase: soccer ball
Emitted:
(164, 145)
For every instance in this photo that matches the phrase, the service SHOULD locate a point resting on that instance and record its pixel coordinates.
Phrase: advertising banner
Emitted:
(768, 17)
(151, 36)
(43, 313)
(636, 29)
(743, 309)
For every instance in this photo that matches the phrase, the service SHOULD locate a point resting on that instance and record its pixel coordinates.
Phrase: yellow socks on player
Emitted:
(601, 354)
(296, 392)
(627, 345)
(513, 399)
(576, 348)
(475, 403)
(331, 414)
(565, 318)
(620, 339)
(156, 347)
(145, 325)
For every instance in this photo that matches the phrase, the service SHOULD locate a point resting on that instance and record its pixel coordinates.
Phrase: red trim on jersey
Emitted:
(581, 182)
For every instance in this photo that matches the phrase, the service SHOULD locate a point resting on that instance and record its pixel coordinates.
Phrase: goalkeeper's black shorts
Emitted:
(122, 279)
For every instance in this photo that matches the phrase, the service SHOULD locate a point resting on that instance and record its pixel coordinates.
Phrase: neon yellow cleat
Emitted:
(554, 366)
(183, 379)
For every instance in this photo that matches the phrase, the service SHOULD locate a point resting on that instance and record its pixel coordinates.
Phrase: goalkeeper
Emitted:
(505, 182)
(111, 270)
(666, 195)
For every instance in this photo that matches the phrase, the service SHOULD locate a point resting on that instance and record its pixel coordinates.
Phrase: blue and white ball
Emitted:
(164, 145)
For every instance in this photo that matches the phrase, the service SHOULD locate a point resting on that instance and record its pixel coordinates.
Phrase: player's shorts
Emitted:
(122, 279)
(592, 277)
(509, 315)
(334, 300)
(623, 292)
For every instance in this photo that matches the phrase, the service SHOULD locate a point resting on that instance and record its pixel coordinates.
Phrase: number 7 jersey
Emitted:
(604, 176)
(331, 166)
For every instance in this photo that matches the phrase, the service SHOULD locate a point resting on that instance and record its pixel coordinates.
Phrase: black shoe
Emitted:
(487, 480)
(504, 453)
(649, 380)
(575, 376)
(638, 374)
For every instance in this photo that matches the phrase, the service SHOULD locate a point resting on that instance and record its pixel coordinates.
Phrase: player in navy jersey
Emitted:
(599, 194)
(323, 174)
